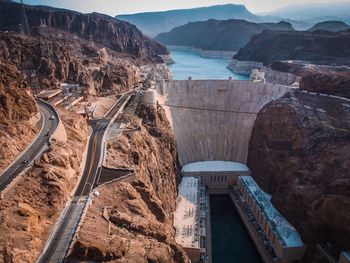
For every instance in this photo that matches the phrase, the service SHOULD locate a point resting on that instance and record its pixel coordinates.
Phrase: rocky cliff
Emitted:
(31, 207)
(299, 153)
(18, 115)
(332, 80)
(118, 35)
(221, 35)
(131, 221)
(59, 57)
(319, 47)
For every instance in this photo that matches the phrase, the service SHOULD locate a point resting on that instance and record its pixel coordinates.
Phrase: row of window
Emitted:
(218, 178)
(258, 215)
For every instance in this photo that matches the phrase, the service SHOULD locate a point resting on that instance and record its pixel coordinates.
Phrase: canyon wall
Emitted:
(117, 35)
(19, 115)
(98, 70)
(139, 225)
(299, 153)
(213, 119)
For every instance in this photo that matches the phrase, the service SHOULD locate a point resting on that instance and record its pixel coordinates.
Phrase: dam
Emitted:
(212, 121)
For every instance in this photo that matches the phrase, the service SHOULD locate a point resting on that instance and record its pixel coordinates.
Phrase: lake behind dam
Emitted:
(189, 64)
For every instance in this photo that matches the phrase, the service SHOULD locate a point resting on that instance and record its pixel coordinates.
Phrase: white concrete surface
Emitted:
(185, 220)
(213, 119)
(214, 166)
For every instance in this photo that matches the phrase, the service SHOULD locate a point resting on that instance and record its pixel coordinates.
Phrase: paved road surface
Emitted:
(27, 157)
(57, 246)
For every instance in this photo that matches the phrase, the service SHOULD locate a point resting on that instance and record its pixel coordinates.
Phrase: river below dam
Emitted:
(230, 240)
(189, 64)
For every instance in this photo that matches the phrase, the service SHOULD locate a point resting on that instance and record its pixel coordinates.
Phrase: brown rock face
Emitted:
(30, 208)
(299, 153)
(107, 31)
(97, 69)
(329, 82)
(18, 115)
(139, 211)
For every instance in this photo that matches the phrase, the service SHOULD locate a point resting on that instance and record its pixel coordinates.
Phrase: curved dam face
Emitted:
(213, 119)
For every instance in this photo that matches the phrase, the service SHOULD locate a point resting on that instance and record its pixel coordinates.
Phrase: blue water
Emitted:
(230, 240)
(189, 64)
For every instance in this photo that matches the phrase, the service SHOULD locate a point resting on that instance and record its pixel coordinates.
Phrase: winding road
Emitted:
(58, 244)
(37, 147)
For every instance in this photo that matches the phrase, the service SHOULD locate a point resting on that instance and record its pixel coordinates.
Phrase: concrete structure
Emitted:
(48, 94)
(190, 218)
(257, 76)
(276, 239)
(217, 176)
(213, 119)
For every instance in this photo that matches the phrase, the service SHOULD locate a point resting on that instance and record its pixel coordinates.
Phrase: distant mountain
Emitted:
(153, 23)
(316, 12)
(334, 26)
(223, 35)
(320, 47)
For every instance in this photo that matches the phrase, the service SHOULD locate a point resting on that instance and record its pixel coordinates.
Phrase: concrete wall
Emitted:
(218, 180)
(213, 119)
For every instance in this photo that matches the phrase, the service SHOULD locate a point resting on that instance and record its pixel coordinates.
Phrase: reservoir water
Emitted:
(189, 64)
(230, 240)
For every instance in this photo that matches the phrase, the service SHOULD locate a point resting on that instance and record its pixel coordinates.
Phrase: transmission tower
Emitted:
(69, 91)
(34, 82)
(91, 40)
(24, 21)
(46, 48)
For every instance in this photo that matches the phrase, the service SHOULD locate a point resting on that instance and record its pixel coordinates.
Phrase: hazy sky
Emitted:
(113, 7)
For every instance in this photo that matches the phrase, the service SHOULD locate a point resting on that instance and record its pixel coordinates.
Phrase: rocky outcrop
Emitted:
(18, 115)
(30, 208)
(59, 57)
(132, 221)
(272, 76)
(319, 47)
(328, 82)
(299, 153)
(335, 26)
(219, 35)
(112, 33)
(332, 80)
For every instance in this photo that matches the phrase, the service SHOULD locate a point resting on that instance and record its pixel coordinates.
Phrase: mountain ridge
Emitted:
(153, 23)
(218, 35)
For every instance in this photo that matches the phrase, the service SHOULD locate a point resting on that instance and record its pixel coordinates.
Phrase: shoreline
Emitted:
(213, 54)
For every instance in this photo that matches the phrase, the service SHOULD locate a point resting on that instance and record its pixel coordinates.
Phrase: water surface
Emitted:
(230, 240)
(189, 64)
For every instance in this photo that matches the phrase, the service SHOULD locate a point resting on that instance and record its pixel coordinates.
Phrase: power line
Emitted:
(200, 109)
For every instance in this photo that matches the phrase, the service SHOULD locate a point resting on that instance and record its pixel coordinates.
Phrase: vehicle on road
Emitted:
(52, 118)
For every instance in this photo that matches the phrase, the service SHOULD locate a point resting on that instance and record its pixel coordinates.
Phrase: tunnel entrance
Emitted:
(229, 238)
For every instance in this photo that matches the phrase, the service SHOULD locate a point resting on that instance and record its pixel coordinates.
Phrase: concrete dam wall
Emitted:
(212, 119)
